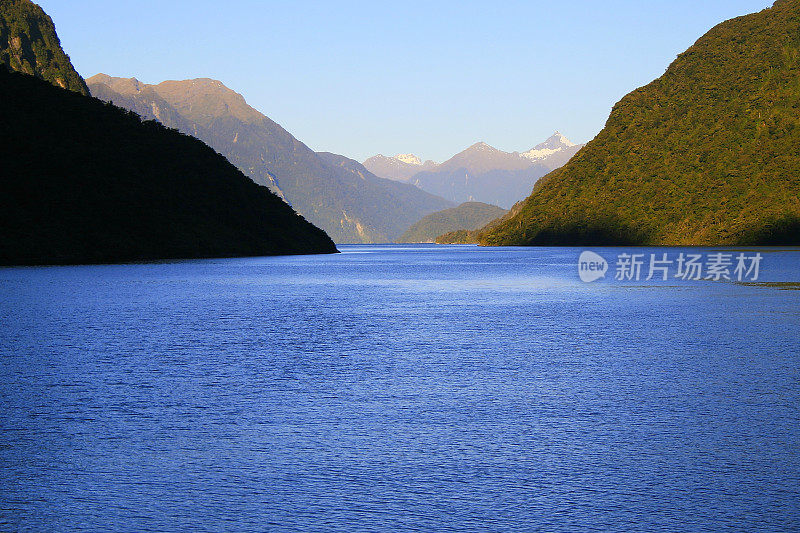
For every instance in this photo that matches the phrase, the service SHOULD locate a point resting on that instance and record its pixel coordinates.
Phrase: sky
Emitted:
(429, 77)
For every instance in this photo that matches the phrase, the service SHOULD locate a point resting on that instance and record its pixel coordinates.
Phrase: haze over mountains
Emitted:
(466, 217)
(339, 195)
(479, 173)
(707, 154)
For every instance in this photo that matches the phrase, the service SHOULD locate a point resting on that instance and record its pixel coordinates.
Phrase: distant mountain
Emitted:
(396, 205)
(29, 44)
(482, 173)
(350, 204)
(707, 154)
(479, 173)
(467, 216)
(554, 152)
(401, 167)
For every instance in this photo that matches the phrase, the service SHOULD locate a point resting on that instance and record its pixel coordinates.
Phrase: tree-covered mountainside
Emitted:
(349, 203)
(708, 154)
(467, 216)
(83, 181)
(29, 44)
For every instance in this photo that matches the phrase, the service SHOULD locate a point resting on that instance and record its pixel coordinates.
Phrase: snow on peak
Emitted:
(555, 141)
(409, 159)
(554, 144)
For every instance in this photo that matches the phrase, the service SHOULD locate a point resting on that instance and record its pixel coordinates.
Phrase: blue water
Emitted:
(397, 389)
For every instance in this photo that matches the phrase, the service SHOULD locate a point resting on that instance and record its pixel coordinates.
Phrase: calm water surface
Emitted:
(397, 389)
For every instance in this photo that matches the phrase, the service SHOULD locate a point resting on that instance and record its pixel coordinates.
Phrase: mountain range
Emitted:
(479, 173)
(707, 154)
(704, 155)
(337, 194)
(83, 181)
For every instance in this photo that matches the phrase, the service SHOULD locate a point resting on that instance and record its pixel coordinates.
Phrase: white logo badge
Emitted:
(591, 267)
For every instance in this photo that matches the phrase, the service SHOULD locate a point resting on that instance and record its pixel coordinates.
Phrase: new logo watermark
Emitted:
(591, 266)
(712, 266)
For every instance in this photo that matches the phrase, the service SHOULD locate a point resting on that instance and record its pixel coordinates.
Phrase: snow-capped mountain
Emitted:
(401, 167)
(481, 172)
(554, 152)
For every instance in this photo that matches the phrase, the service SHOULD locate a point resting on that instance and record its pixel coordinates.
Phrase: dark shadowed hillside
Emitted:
(84, 182)
(708, 154)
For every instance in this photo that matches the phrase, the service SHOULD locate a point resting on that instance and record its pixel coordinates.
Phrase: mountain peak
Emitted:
(204, 99)
(195, 87)
(481, 157)
(123, 86)
(410, 159)
(556, 145)
(99, 78)
(481, 147)
(555, 141)
(400, 167)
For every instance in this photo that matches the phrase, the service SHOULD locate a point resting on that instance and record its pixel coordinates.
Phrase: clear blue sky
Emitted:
(360, 78)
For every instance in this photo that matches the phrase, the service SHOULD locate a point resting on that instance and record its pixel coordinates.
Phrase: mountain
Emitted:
(467, 216)
(707, 154)
(554, 152)
(29, 44)
(87, 182)
(401, 167)
(482, 173)
(349, 203)
(479, 173)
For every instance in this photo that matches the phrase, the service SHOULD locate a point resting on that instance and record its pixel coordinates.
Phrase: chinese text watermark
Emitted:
(713, 266)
